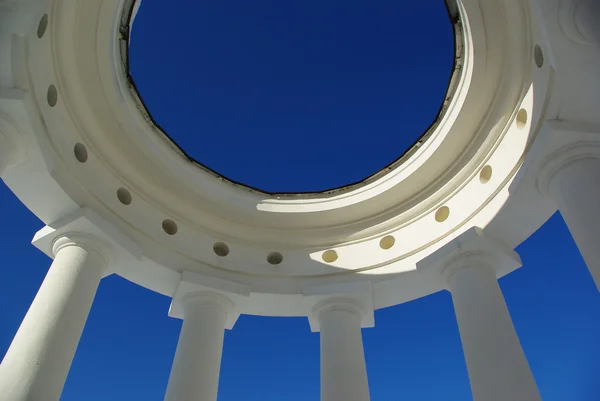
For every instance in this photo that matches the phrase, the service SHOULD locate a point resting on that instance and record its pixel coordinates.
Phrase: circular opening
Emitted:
(275, 258)
(522, 119)
(42, 26)
(486, 174)
(169, 226)
(387, 242)
(538, 55)
(327, 79)
(221, 249)
(330, 256)
(80, 152)
(124, 196)
(52, 95)
(442, 214)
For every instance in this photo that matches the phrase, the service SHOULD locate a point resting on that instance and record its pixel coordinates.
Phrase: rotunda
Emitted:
(516, 140)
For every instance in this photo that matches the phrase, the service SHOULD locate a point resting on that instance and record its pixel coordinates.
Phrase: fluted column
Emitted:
(343, 368)
(197, 364)
(40, 355)
(498, 369)
(575, 187)
(468, 267)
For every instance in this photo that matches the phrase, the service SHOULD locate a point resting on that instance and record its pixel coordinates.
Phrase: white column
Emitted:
(38, 360)
(343, 368)
(197, 364)
(576, 189)
(498, 369)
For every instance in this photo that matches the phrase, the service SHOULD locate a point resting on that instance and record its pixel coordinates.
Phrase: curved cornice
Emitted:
(489, 86)
(106, 157)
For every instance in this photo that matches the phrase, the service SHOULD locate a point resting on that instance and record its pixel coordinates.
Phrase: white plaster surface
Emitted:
(5, 153)
(498, 369)
(524, 108)
(195, 372)
(343, 368)
(576, 190)
(588, 15)
(37, 363)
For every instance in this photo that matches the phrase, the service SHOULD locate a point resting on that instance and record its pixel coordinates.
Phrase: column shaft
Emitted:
(197, 364)
(343, 368)
(498, 369)
(576, 190)
(40, 355)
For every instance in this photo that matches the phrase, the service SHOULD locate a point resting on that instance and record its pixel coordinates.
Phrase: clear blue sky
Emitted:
(293, 96)
(363, 94)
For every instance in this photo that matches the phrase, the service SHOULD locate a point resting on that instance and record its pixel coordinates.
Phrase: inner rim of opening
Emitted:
(404, 153)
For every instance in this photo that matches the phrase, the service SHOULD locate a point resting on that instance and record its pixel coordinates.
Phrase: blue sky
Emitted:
(413, 353)
(313, 100)
(243, 93)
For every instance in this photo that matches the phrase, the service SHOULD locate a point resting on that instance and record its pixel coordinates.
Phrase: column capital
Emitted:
(471, 249)
(562, 144)
(195, 288)
(339, 303)
(87, 229)
(354, 297)
(577, 18)
(562, 158)
(568, 11)
(86, 241)
(206, 297)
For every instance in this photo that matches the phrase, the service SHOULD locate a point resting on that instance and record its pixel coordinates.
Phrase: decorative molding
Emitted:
(568, 21)
(499, 80)
(472, 248)
(207, 297)
(87, 242)
(354, 297)
(194, 287)
(566, 143)
(87, 229)
(333, 304)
